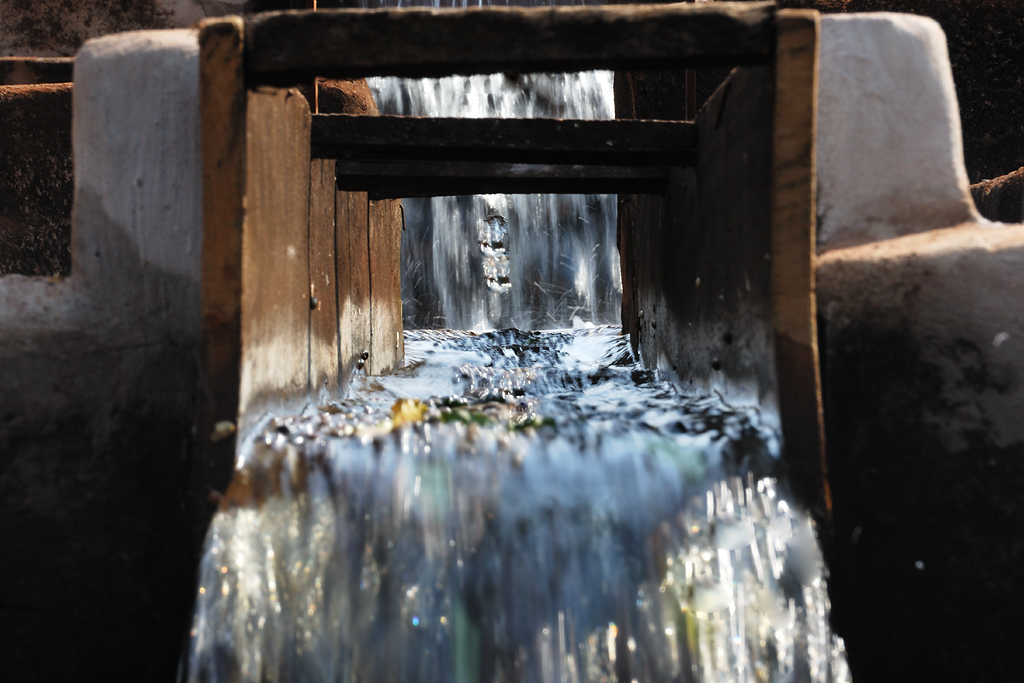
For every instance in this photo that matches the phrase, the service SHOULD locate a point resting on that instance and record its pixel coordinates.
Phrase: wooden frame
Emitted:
(738, 197)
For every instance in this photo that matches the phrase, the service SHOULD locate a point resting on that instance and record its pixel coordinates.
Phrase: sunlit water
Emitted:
(513, 506)
(560, 260)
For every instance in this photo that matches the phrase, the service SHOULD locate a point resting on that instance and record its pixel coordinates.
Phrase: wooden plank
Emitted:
(36, 70)
(793, 249)
(323, 290)
(387, 347)
(275, 257)
(523, 141)
(431, 179)
(222, 104)
(353, 259)
(701, 276)
(292, 46)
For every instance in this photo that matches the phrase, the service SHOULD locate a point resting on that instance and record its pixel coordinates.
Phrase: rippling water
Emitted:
(513, 506)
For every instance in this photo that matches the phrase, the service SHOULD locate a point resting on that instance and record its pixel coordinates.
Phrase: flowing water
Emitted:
(559, 259)
(513, 506)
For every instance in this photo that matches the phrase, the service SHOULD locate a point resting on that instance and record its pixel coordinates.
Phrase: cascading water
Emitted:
(513, 506)
(560, 260)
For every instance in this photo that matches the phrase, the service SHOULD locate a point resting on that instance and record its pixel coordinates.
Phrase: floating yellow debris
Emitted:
(408, 410)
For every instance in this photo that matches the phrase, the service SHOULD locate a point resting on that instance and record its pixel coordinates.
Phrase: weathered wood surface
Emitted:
(387, 348)
(292, 46)
(442, 178)
(323, 290)
(275, 256)
(793, 249)
(522, 141)
(700, 273)
(353, 259)
(222, 102)
(720, 291)
(36, 70)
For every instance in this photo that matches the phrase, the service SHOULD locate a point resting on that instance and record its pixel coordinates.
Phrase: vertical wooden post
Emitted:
(275, 257)
(793, 249)
(353, 258)
(387, 347)
(222, 105)
(324, 370)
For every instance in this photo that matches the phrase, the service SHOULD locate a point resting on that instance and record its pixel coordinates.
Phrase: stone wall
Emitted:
(1001, 199)
(35, 179)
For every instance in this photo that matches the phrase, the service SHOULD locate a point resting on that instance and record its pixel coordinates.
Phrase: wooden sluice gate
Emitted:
(281, 226)
(718, 280)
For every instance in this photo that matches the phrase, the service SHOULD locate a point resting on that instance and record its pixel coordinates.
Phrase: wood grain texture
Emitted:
(222, 103)
(353, 263)
(522, 141)
(275, 256)
(323, 324)
(36, 70)
(293, 46)
(709, 316)
(387, 348)
(440, 178)
(793, 249)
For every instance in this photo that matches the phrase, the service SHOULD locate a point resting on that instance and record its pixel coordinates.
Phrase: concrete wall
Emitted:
(922, 341)
(986, 49)
(98, 374)
(99, 490)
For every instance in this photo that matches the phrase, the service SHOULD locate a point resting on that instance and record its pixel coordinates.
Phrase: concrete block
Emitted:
(890, 153)
(922, 341)
(98, 376)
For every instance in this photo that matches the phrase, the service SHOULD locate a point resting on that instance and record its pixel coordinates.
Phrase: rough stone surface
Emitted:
(1001, 199)
(35, 180)
(99, 373)
(54, 28)
(889, 146)
(922, 338)
(345, 96)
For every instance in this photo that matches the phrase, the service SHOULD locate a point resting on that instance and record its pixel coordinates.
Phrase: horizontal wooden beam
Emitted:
(293, 46)
(384, 180)
(36, 70)
(521, 141)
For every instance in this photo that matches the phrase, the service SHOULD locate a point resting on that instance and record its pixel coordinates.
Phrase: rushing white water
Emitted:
(561, 254)
(513, 506)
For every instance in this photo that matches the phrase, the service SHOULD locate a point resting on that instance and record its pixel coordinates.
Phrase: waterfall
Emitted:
(560, 259)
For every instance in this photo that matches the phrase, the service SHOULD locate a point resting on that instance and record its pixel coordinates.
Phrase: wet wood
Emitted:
(36, 70)
(442, 178)
(353, 264)
(700, 273)
(793, 249)
(275, 256)
(523, 141)
(222, 104)
(387, 348)
(323, 290)
(293, 46)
